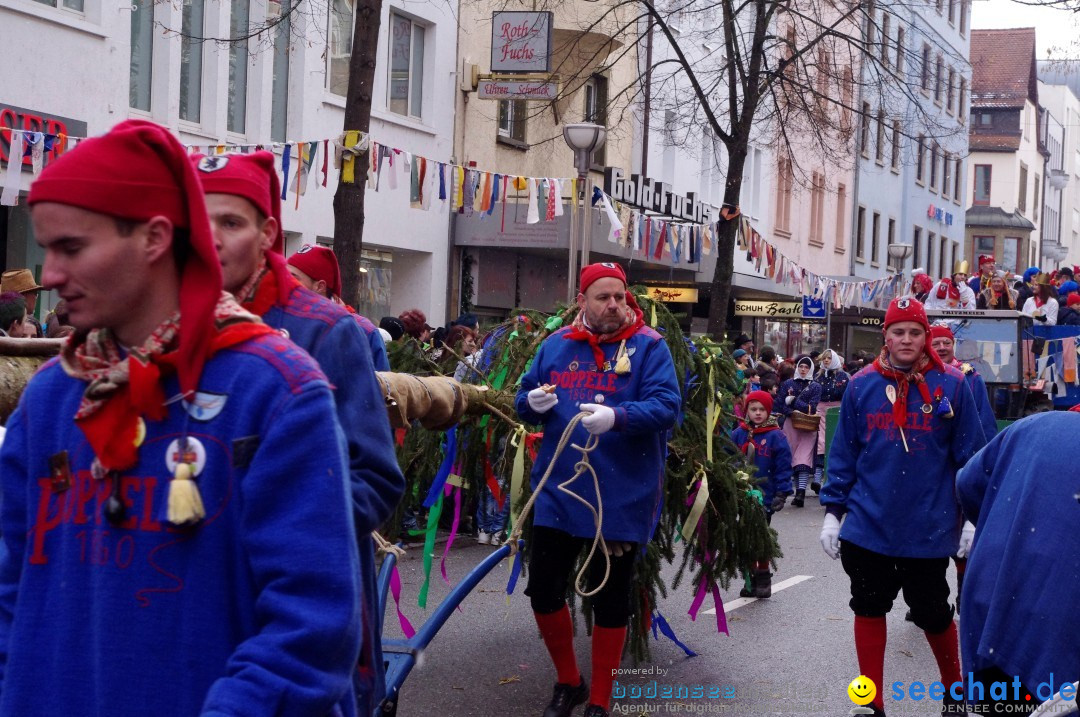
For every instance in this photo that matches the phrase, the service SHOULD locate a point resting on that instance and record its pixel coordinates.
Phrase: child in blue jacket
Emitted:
(762, 441)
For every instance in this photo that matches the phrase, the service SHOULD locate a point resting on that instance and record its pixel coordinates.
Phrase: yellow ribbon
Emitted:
(348, 166)
(517, 474)
(700, 501)
(712, 415)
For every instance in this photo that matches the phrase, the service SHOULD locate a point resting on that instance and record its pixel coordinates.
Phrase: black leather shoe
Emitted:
(595, 711)
(799, 500)
(565, 698)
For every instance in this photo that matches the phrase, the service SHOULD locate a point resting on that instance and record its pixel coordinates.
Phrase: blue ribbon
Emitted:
(444, 470)
(285, 157)
(515, 573)
(661, 624)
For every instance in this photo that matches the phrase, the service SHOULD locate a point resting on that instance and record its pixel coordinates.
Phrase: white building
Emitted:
(1057, 93)
(109, 61)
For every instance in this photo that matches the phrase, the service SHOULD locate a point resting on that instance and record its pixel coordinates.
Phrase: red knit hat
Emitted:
(251, 176)
(941, 332)
(139, 171)
(592, 272)
(1073, 300)
(762, 397)
(905, 308)
(318, 262)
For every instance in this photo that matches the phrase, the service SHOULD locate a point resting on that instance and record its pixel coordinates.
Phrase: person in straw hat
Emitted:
(22, 281)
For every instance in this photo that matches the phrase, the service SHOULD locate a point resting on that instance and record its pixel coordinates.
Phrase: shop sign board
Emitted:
(655, 196)
(516, 90)
(673, 294)
(778, 309)
(35, 121)
(521, 42)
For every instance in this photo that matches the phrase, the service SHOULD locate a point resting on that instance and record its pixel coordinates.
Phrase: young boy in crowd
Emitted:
(761, 441)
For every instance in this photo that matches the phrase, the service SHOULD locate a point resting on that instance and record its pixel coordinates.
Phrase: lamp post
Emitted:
(899, 253)
(584, 139)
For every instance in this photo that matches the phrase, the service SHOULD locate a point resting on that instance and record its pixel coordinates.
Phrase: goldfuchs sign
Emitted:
(673, 294)
(654, 196)
(520, 42)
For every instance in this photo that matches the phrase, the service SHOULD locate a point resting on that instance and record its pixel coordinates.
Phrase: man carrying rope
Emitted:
(618, 372)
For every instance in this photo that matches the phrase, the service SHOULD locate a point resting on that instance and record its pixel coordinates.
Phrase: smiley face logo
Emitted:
(862, 690)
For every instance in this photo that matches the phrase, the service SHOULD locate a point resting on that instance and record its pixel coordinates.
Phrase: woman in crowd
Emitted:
(800, 393)
(1043, 306)
(833, 379)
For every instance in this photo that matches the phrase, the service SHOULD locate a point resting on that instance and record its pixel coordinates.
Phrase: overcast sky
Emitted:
(1056, 31)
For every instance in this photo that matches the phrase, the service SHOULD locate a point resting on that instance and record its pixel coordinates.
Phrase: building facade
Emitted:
(282, 86)
(1059, 97)
(1006, 165)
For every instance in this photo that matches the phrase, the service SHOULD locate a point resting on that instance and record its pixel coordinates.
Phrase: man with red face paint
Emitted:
(908, 423)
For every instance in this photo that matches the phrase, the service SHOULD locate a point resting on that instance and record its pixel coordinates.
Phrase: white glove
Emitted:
(967, 536)
(789, 400)
(830, 536)
(601, 420)
(541, 401)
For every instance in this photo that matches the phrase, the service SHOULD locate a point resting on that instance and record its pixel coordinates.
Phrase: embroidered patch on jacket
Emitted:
(205, 406)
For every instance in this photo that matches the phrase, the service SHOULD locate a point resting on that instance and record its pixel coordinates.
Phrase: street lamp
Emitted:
(899, 253)
(584, 138)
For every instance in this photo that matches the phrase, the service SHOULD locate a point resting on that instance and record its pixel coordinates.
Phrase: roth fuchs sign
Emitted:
(520, 42)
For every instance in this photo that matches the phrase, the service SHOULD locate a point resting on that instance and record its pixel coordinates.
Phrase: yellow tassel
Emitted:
(185, 503)
(622, 360)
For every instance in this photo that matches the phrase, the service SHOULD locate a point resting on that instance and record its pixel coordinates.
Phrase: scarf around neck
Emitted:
(633, 320)
(269, 286)
(915, 375)
(123, 388)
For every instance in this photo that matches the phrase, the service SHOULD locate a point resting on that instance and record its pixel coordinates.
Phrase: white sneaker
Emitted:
(483, 538)
(496, 539)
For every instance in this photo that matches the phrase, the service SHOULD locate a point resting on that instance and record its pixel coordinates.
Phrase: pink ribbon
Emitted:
(453, 528)
(395, 591)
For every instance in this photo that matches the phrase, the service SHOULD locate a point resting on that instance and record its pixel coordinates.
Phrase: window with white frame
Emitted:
(595, 111)
(342, 14)
(142, 54)
(191, 59)
(406, 87)
(279, 94)
(511, 124)
(239, 26)
(76, 5)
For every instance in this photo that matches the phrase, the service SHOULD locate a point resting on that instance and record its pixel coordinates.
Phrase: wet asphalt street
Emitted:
(792, 654)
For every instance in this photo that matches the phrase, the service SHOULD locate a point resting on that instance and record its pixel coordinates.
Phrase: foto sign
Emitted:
(673, 294)
(520, 42)
(515, 90)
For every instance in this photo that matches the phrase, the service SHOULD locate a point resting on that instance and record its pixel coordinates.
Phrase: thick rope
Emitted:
(598, 517)
(382, 545)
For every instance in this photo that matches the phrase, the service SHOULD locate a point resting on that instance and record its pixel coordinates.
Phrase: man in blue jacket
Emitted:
(169, 546)
(1019, 610)
(907, 425)
(244, 205)
(614, 368)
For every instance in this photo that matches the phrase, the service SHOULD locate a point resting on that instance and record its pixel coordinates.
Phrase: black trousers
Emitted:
(554, 553)
(877, 579)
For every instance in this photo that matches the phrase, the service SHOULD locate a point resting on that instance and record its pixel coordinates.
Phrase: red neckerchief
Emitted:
(917, 376)
(121, 390)
(1038, 302)
(273, 287)
(633, 321)
(769, 425)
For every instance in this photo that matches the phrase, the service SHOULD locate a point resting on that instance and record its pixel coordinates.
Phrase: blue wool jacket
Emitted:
(898, 503)
(1021, 586)
(334, 337)
(379, 358)
(833, 384)
(982, 401)
(807, 393)
(254, 610)
(629, 460)
(772, 458)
